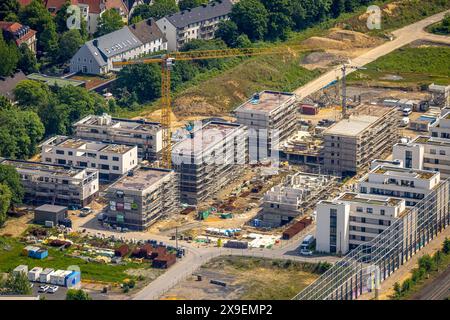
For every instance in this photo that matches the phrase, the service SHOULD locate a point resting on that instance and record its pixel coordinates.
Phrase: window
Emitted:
(48, 159)
(382, 212)
(432, 151)
(359, 209)
(103, 157)
(59, 151)
(70, 153)
(369, 210)
(116, 168)
(104, 167)
(93, 165)
(442, 152)
(115, 158)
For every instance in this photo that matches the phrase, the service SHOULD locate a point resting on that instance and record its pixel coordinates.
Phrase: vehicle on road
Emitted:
(407, 111)
(84, 212)
(307, 243)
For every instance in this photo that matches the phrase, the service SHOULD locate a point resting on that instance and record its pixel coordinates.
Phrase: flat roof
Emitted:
(107, 121)
(267, 102)
(54, 169)
(406, 172)
(360, 119)
(88, 145)
(51, 81)
(433, 141)
(370, 199)
(51, 208)
(141, 179)
(209, 135)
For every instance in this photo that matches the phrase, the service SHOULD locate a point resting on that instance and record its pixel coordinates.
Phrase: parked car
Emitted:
(53, 289)
(84, 212)
(306, 252)
(43, 288)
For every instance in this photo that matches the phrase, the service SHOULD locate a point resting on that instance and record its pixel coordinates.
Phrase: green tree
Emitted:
(446, 246)
(108, 22)
(228, 31)
(69, 43)
(189, 4)
(397, 290)
(427, 263)
(73, 294)
(162, 8)
(10, 178)
(36, 16)
(8, 7)
(251, 17)
(280, 18)
(140, 12)
(32, 94)
(9, 57)
(337, 7)
(243, 41)
(142, 79)
(16, 284)
(5, 202)
(27, 60)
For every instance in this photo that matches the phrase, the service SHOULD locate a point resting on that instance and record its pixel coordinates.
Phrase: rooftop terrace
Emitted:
(369, 199)
(53, 169)
(81, 144)
(404, 172)
(432, 141)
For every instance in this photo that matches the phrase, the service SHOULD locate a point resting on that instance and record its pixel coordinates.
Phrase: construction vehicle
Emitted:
(167, 62)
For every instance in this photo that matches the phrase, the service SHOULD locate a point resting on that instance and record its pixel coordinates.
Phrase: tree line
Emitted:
(272, 20)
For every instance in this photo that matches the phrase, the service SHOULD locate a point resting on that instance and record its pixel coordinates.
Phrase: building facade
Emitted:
(413, 185)
(209, 159)
(111, 160)
(147, 136)
(97, 56)
(196, 23)
(55, 184)
(14, 31)
(270, 118)
(428, 152)
(353, 219)
(138, 200)
(366, 134)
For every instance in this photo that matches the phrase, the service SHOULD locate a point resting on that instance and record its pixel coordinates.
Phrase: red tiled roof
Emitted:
(13, 27)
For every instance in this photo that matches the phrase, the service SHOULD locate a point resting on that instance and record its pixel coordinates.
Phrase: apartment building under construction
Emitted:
(292, 198)
(45, 183)
(139, 199)
(350, 144)
(208, 159)
(147, 136)
(270, 117)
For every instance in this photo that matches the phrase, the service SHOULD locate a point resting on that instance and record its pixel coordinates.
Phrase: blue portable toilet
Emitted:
(72, 279)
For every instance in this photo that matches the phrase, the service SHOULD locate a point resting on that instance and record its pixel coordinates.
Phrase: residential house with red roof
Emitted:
(14, 31)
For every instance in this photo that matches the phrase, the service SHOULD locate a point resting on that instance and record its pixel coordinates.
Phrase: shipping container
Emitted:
(73, 279)
(44, 276)
(122, 251)
(33, 274)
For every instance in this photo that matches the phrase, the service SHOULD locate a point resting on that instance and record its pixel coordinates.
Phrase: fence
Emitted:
(371, 263)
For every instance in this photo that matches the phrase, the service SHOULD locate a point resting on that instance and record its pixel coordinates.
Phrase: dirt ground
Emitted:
(245, 279)
(14, 227)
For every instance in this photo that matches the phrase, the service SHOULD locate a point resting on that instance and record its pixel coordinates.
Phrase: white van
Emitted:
(407, 111)
(306, 243)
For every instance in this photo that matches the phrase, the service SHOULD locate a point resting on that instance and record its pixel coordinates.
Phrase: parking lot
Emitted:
(58, 295)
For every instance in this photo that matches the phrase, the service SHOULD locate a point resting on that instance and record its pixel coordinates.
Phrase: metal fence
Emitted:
(370, 263)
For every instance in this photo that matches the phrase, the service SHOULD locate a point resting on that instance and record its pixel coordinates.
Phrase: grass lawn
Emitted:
(417, 66)
(11, 256)
(266, 279)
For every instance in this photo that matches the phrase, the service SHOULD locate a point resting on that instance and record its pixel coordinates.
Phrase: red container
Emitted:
(309, 109)
(122, 251)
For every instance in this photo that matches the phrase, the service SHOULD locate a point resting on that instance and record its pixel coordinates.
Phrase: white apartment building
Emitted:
(55, 184)
(428, 153)
(410, 184)
(353, 219)
(130, 42)
(270, 117)
(111, 160)
(147, 136)
(196, 23)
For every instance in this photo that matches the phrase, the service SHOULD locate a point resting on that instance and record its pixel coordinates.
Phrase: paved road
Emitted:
(439, 289)
(402, 37)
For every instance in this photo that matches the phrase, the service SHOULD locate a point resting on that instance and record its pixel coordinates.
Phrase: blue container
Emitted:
(39, 254)
(72, 279)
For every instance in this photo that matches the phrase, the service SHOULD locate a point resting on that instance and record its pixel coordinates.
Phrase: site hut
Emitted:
(64, 185)
(196, 23)
(350, 144)
(48, 212)
(353, 219)
(140, 199)
(111, 160)
(270, 117)
(44, 276)
(33, 274)
(147, 136)
(208, 159)
(292, 198)
(413, 185)
(21, 269)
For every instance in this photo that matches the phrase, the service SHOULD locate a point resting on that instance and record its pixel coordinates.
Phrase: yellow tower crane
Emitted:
(167, 62)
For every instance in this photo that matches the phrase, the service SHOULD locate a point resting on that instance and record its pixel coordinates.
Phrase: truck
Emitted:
(307, 242)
